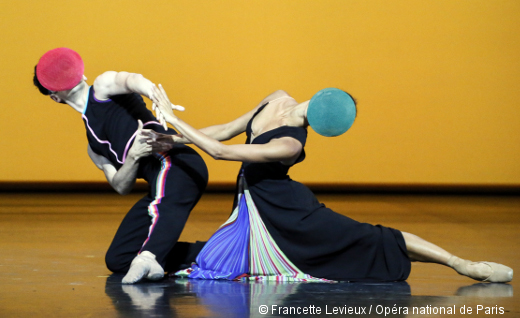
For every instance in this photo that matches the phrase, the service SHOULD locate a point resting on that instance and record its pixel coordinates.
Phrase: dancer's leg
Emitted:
(129, 237)
(122, 254)
(176, 185)
(420, 250)
(176, 181)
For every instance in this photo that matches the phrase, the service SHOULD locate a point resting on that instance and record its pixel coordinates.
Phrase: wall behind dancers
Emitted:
(436, 81)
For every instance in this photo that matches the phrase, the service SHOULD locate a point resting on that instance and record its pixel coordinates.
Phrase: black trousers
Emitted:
(176, 181)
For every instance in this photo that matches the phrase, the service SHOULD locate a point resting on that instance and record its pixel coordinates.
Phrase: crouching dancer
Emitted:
(114, 113)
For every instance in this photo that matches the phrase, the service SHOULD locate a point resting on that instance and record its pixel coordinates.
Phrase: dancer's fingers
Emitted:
(178, 107)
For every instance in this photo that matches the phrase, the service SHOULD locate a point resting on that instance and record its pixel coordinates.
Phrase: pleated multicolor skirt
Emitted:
(243, 249)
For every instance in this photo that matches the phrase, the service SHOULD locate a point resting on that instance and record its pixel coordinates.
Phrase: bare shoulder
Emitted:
(104, 80)
(274, 95)
(103, 84)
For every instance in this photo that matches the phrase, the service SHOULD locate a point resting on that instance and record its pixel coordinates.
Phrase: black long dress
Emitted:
(319, 241)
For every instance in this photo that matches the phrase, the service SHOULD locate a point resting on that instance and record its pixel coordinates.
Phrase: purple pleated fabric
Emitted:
(226, 254)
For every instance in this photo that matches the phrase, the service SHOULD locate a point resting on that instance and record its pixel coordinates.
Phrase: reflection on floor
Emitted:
(179, 297)
(52, 248)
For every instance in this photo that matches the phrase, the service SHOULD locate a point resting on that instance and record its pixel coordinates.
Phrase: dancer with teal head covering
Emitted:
(290, 235)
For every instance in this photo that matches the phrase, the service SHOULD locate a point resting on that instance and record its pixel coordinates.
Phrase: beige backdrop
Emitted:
(437, 82)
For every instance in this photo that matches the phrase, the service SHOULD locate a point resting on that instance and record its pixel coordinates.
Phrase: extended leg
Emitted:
(420, 250)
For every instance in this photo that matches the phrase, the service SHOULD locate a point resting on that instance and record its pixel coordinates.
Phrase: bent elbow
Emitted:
(217, 155)
(217, 152)
(122, 191)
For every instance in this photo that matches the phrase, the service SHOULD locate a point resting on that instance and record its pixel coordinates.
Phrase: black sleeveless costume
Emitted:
(319, 241)
(176, 179)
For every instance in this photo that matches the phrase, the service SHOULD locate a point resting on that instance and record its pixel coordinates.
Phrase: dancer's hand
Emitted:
(141, 148)
(156, 139)
(163, 107)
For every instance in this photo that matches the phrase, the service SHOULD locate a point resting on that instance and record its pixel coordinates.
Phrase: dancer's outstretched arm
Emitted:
(285, 149)
(228, 130)
(220, 132)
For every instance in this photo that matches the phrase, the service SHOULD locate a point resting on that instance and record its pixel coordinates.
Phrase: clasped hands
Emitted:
(149, 141)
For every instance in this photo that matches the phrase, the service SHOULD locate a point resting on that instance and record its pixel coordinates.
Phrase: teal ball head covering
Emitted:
(331, 112)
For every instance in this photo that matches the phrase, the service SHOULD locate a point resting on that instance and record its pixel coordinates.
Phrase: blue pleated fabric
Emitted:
(243, 249)
(226, 254)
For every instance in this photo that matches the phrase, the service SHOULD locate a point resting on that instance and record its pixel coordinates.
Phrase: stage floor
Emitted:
(52, 248)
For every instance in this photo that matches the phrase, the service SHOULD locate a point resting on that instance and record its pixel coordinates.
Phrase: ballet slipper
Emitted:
(143, 265)
(482, 271)
(501, 273)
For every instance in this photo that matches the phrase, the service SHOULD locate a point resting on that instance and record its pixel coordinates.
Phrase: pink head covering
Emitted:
(60, 69)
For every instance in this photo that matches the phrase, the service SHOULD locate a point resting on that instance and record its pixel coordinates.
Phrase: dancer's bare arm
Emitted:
(285, 149)
(116, 83)
(233, 128)
(123, 180)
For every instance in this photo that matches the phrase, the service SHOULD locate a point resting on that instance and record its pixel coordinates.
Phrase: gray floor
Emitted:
(52, 249)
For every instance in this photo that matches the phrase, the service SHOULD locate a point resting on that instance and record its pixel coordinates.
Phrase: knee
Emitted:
(116, 263)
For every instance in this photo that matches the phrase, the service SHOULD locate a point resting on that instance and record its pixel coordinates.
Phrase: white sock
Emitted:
(156, 271)
(143, 265)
